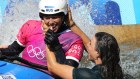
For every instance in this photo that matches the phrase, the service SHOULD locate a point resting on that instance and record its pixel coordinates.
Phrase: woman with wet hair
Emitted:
(108, 49)
(103, 50)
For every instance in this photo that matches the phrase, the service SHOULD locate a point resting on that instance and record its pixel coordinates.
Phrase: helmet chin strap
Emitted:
(62, 27)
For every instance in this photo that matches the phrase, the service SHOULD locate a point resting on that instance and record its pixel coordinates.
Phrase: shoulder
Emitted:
(32, 22)
(86, 73)
(29, 26)
(71, 32)
(68, 33)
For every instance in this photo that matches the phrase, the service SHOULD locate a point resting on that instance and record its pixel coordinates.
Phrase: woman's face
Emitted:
(52, 22)
(92, 53)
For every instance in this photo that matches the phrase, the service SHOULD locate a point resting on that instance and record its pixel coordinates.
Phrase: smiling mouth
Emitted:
(53, 28)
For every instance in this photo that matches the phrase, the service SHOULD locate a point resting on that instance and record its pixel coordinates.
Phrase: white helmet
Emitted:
(53, 6)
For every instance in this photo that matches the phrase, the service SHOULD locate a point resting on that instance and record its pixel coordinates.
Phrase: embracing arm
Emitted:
(64, 71)
(61, 58)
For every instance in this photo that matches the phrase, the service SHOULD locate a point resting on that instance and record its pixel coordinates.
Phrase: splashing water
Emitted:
(130, 59)
(81, 16)
(19, 11)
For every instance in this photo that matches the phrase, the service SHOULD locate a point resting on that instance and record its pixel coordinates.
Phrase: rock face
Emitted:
(125, 34)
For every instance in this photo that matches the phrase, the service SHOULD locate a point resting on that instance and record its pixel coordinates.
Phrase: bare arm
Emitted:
(79, 32)
(64, 71)
(76, 29)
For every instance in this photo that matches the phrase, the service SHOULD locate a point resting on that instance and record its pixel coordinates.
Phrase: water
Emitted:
(130, 59)
(19, 11)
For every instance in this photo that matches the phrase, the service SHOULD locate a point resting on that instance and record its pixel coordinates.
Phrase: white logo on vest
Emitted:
(35, 52)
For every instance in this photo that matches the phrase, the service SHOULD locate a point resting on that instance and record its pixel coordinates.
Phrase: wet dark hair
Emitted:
(109, 51)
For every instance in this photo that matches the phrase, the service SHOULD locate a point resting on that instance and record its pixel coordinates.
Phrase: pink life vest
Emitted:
(32, 38)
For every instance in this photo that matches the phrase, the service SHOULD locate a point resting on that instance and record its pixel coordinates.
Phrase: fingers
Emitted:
(69, 14)
(49, 36)
(3, 46)
(45, 28)
(69, 11)
(69, 18)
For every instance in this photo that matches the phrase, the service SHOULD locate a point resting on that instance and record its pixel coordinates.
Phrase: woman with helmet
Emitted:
(51, 30)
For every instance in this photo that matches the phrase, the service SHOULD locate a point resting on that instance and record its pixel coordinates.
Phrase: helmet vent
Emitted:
(43, 10)
(56, 10)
